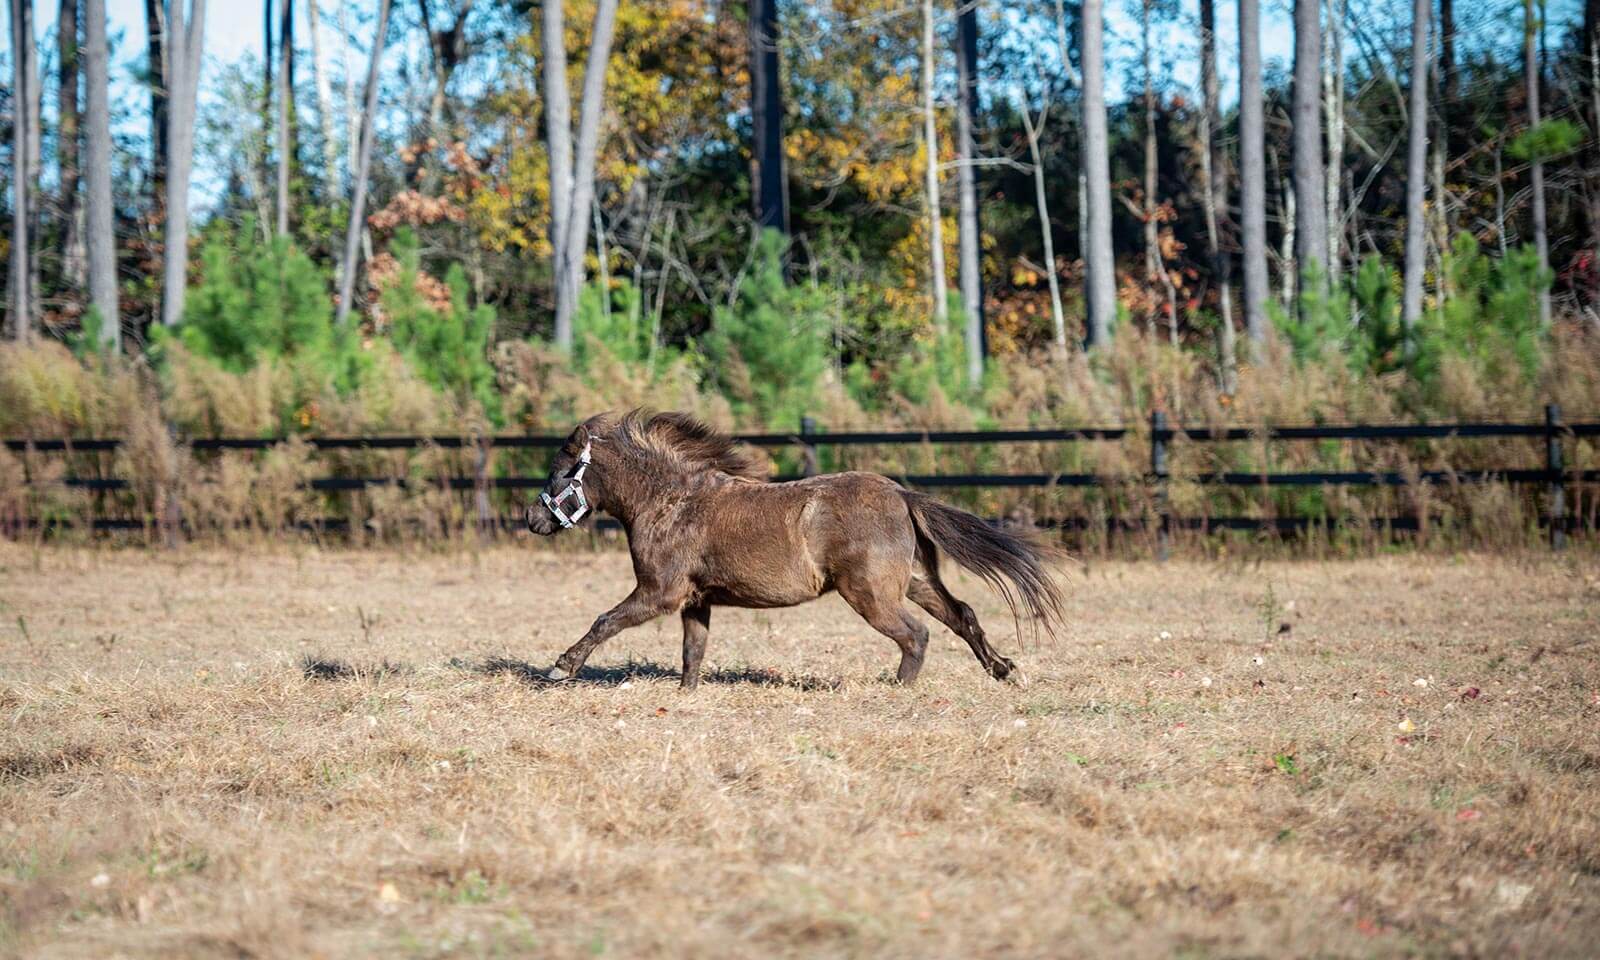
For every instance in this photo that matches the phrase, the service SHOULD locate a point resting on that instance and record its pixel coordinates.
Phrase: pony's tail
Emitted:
(1013, 564)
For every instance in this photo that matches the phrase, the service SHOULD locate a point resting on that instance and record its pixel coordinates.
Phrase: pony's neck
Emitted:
(632, 485)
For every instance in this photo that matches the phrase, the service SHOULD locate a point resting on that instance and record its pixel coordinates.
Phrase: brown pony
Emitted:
(706, 528)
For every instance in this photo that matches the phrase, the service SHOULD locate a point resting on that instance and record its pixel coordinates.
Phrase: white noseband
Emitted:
(572, 491)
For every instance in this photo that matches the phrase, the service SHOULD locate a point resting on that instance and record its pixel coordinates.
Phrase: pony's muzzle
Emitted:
(539, 520)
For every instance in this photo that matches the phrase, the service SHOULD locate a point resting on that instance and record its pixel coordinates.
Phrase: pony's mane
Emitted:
(687, 443)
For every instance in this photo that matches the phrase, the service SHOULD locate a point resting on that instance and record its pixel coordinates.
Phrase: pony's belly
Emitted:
(755, 600)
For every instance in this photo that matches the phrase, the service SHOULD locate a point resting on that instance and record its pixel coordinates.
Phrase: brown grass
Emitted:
(294, 753)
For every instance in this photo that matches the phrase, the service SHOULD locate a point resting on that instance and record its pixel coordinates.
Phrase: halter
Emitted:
(574, 491)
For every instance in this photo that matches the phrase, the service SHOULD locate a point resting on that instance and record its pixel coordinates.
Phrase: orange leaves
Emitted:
(414, 209)
(384, 272)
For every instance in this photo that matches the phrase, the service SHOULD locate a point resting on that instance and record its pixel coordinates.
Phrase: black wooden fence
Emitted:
(1555, 477)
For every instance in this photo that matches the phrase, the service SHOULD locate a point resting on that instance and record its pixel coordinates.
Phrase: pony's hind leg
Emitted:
(886, 612)
(931, 595)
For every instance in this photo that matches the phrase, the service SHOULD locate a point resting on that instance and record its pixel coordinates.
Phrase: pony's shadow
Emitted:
(648, 670)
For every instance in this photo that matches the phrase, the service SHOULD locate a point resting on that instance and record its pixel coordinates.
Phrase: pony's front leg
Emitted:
(644, 603)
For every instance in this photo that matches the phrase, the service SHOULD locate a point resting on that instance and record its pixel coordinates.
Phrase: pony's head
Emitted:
(603, 452)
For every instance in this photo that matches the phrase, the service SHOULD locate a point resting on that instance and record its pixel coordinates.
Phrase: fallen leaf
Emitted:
(1406, 726)
(1468, 815)
(388, 893)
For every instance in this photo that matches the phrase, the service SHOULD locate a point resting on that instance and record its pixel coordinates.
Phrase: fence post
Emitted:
(480, 485)
(1158, 472)
(808, 452)
(1554, 464)
(171, 508)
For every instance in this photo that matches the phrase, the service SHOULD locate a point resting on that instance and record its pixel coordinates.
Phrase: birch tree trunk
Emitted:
(930, 141)
(1099, 275)
(319, 79)
(1311, 236)
(286, 119)
(22, 182)
(67, 134)
(358, 199)
(1541, 239)
(1213, 169)
(590, 111)
(1253, 175)
(558, 133)
(100, 226)
(1333, 105)
(967, 189)
(1416, 169)
(1033, 132)
(185, 46)
(1287, 276)
(352, 112)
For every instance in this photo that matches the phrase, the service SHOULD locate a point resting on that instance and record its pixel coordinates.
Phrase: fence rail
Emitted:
(1554, 475)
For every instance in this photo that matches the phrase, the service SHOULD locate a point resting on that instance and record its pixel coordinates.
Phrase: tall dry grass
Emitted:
(45, 392)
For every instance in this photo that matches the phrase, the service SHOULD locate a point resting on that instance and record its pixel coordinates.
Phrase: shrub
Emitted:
(448, 344)
(769, 349)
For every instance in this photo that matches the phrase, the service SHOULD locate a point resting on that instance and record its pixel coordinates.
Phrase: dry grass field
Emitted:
(1373, 757)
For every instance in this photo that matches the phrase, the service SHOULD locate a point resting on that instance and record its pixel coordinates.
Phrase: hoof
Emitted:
(556, 675)
(1002, 669)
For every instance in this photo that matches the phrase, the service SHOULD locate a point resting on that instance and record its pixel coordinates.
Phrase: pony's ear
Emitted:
(580, 436)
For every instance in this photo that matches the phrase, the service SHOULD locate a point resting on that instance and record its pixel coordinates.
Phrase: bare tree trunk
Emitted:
(967, 213)
(1416, 168)
(1253, 174)
(35, 164)
(1287, 276)
(101, 220)
(286, 119)
(930, 140)
(766, 114)
(156, 63)
(590, 110)
(319, 78)
(1333, 104)
(1311, 238)
(558, 133)
(269, 85)
(1591, 41)
(1541, 239)
(448, 48)
(358, 199)
(1099, 275)
(101, 226)
(1076, 80)
(185, 46)
(1500, 195)
(1213, 169)
(67, 134)
(1155, 262)
(352, 112)
(1033, 132)
(22, 183)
